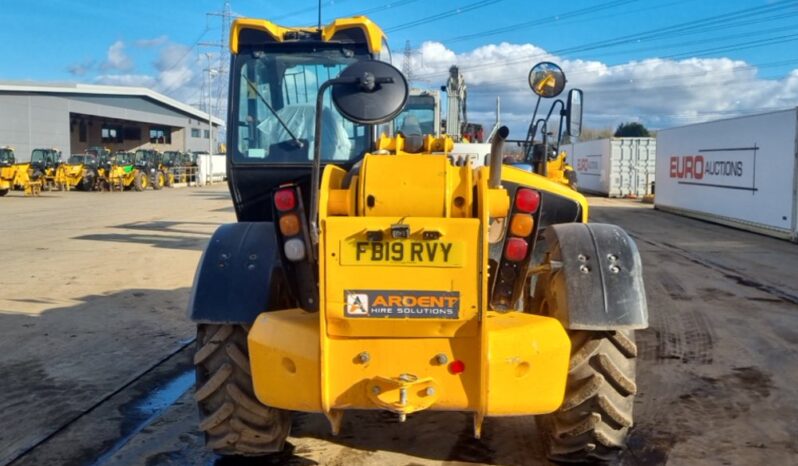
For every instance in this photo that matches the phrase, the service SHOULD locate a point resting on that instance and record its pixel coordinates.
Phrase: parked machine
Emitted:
(8, 170)
(123, 175)
(376, 274)
(80, 172)
(45, 164)
(148, 164)
(17, 176)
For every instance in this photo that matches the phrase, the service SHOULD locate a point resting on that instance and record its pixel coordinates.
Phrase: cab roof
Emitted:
(354, 29)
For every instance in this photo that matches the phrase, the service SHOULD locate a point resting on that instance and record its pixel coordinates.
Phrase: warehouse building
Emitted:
(73, 117)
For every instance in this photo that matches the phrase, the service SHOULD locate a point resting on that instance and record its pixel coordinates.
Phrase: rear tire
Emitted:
(232, 418)
(3, 192)
(594, 420)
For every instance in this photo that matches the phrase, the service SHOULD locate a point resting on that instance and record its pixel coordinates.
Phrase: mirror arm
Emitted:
(316, 171)
(367, 83)
(530, 134)
(542, 168)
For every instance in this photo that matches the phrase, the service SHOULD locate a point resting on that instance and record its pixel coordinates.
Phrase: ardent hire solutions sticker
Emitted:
(402, 304)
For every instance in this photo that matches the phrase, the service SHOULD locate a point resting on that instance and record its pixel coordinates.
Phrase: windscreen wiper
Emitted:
(254, 88)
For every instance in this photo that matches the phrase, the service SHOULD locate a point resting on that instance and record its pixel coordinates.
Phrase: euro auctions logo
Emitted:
(695, 167)
(402, 304)
(729, 168)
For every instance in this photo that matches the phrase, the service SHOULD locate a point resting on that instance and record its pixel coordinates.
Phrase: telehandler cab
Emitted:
(368, 273)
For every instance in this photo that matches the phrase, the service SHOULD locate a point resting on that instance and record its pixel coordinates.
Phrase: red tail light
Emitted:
(285, 199)
(527, 200)
(515, 249)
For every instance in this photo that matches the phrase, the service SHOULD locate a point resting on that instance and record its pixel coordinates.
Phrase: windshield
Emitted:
(276, 96)
(124, 158)
(6, 156)
(37, 155)
(142, 156)
(422, 108)
(83, 159)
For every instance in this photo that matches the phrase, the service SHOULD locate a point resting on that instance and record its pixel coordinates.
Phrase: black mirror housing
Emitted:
(547, 79)
(573, 112)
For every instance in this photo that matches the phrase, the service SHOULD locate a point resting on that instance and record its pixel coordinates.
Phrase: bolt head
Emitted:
(364, 357)
(430, 391)
(375, 390)
(584, 269)
(441, 358)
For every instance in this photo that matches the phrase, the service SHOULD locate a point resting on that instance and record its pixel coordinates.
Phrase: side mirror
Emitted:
(370, 92)
(573, 113)
(366, 92)
(547, 79)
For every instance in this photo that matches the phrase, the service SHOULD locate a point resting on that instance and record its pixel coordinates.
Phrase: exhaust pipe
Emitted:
(496, 145)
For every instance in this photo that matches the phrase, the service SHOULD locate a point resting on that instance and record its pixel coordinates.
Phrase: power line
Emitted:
(541, 21)
(690, 27)
(442, 15)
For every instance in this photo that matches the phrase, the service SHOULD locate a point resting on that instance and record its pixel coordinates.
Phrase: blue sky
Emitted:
(143, 42)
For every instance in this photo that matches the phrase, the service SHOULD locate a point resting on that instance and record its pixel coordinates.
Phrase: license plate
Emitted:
(403, 252)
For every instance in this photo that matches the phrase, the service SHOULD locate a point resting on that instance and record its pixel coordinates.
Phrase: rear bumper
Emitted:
(515, 365)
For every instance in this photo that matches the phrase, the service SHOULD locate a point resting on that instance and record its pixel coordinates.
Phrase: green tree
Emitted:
(632, 130)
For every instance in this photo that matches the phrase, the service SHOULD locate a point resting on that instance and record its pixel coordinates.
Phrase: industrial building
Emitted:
(73, 117)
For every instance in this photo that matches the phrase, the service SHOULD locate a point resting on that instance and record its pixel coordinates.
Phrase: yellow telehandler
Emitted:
(374, 273)
(19, 176)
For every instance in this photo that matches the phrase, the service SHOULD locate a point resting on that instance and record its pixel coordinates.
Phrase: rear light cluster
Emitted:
(522, 223)
(286, 202)
(512, 268)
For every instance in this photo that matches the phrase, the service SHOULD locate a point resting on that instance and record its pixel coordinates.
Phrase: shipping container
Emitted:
(740, 172)
(614, 167)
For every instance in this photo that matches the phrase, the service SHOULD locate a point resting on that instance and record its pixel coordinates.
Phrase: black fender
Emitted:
(596, 277)
(239, 275)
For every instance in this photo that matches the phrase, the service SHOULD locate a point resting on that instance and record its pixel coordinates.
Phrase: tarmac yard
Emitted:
(95, 346)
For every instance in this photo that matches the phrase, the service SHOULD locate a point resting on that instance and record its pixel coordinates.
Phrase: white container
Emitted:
(211, 169)
(614, 167)
(740, 172)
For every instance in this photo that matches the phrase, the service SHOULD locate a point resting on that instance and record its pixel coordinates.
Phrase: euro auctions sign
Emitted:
(729, 168)
(740, 171)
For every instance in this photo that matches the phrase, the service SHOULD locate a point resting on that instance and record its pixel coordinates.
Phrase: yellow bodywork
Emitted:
(119, 178)
(560, 171)
(69, 176)
(373, 33)
(515, 363)
(19, 176)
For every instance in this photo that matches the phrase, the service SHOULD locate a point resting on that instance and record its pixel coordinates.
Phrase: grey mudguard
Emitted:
(599, 268)
(237, 274)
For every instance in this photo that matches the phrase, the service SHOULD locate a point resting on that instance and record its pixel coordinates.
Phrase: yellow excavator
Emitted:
(369, 272)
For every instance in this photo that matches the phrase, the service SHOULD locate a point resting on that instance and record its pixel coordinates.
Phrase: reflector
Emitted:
(457, 366)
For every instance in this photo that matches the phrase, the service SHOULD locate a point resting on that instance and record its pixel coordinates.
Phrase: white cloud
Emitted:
(116, 58)
(81, 68)
(135, 80)
(657, 92)
(154, 42)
